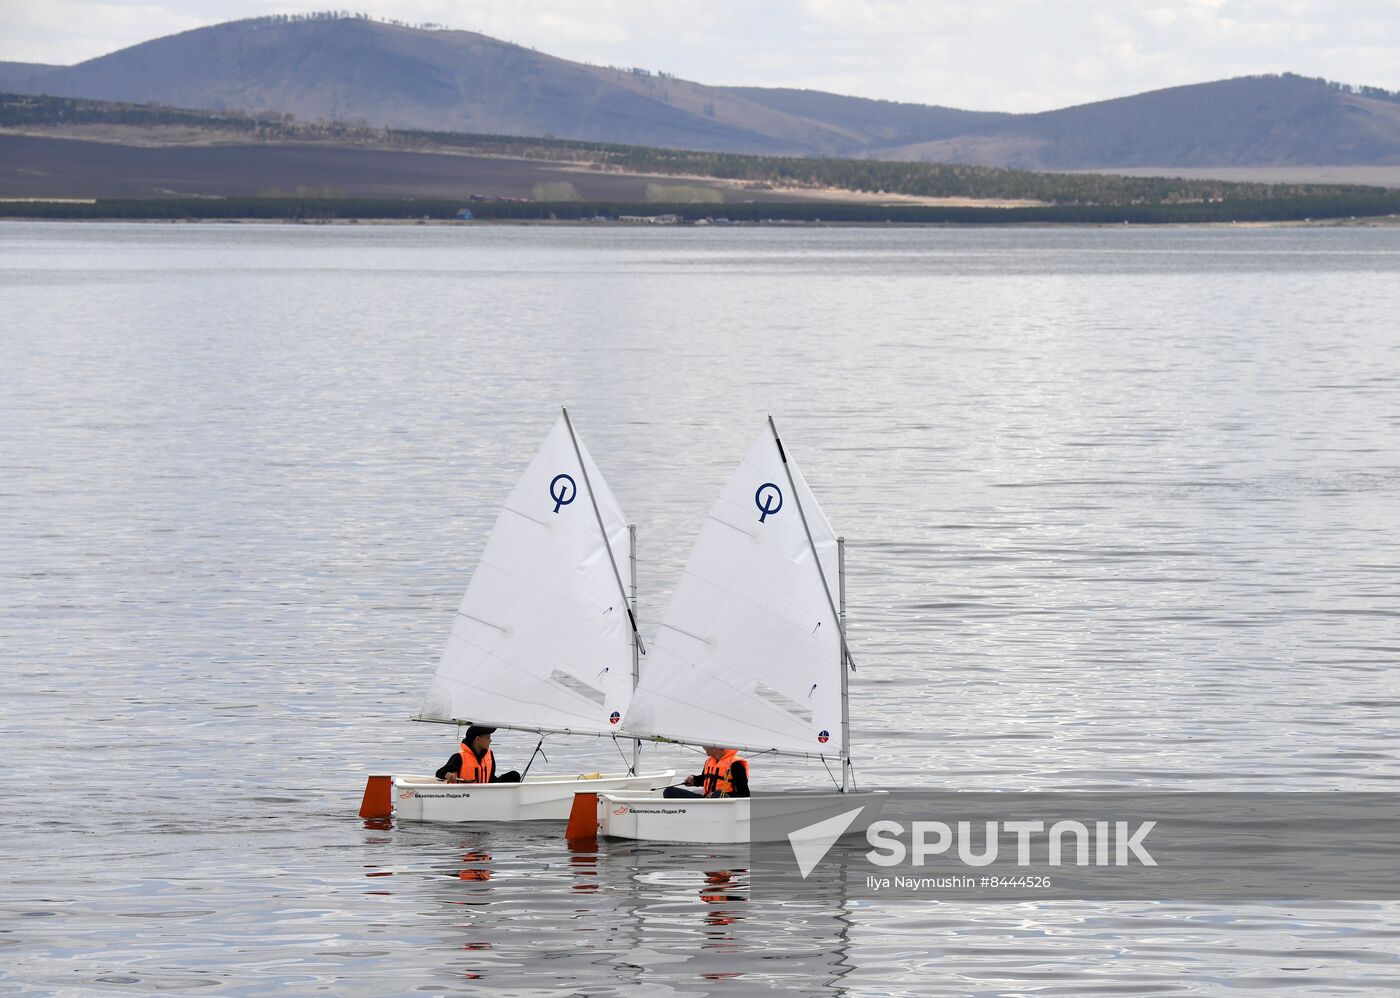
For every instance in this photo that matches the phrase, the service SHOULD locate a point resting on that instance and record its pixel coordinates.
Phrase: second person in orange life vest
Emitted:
(724, 775)
(473, 763)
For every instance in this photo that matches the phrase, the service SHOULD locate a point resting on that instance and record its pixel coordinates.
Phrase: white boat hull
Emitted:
(653, 818)
(536, 798)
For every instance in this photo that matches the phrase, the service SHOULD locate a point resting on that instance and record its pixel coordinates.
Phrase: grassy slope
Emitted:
(198, 153)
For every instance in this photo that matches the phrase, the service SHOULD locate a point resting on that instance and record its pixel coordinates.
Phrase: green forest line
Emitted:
(1295, 209)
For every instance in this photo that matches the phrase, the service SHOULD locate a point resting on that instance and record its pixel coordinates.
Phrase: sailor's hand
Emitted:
(690, 781)
(452, 778)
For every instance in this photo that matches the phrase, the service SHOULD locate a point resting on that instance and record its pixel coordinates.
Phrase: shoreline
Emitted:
(1370, 222)
(769, 215)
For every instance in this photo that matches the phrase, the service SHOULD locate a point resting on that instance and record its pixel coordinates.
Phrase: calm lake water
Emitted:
(1121, 513)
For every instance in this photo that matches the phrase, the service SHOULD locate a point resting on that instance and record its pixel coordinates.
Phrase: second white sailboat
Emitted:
(751, 655)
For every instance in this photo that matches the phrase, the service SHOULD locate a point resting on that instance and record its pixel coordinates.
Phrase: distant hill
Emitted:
(387, 75)
(1250, 121)
(882, 125)
(20, 77)
(384, 75)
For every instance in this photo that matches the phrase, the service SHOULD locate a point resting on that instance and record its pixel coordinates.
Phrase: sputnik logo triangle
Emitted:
(811, 843)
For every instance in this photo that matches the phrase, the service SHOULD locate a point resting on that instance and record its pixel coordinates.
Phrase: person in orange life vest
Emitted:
(474, 762)
(724, 775)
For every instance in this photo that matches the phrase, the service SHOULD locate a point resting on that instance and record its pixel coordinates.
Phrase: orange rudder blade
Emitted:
(378, 801)
(583, 819)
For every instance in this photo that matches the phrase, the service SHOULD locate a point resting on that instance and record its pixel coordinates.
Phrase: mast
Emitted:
(607, 545)
(845, 679)
(839, 612)
(636, 645)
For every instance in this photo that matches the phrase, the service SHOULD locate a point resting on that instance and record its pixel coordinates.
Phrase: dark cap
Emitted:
(473, 731)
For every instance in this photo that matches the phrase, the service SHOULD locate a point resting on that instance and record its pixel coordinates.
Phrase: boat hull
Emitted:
(653, 818)
(536, 798)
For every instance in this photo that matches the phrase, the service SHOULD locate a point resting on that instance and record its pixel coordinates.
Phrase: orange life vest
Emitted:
(476, 772)
(716, 778)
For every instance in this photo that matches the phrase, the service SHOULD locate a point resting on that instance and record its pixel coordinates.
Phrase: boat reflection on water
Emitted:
(724, 887)
(583, 865)
(479, 869)
(693, 919)
(513, 908)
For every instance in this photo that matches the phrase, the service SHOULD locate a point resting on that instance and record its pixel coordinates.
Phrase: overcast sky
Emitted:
(1018, 55)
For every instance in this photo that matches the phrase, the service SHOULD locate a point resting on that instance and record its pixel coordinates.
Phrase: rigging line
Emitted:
(630, 770)
(604, 531)
(834, 780)
(821, 573)
(538, 751)
(849, 765)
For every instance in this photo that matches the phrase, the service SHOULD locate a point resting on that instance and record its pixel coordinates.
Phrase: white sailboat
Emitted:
(545, 640)
(752, 655)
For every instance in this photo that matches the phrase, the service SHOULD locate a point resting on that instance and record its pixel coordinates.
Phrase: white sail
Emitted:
(543, 636)
(749, 654)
